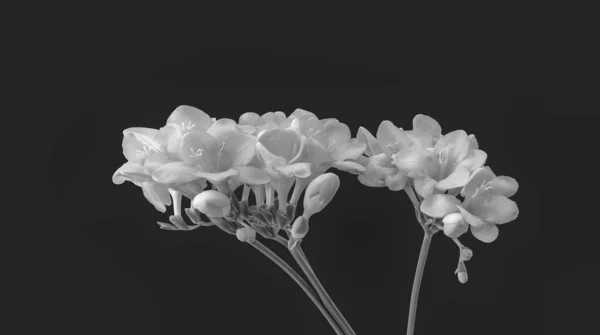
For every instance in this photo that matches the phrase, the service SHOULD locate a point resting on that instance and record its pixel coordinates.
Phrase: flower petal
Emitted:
(439, 205)
(218, 176)
(349, 150)
(349, 166)
(222, 129)
(301, 112)
(190, 118)
(139, 142)
(252, 175)
(417, 162)
(426, 124)
(487, 233)
(507, 186)
(370, 183)
(154, 161)
(300, 170)
(313, 152)
(238, 149)
(170, 135)
(424, 186)
(130, 172)
(157, 194)
(270, 160)
(251, 119)
(494, 208)
(396, 181)
(480, 176)
(470, 218)
(282, 143)
(391, 138)
(200, 149)
(372, 146)
(174, 173)
(458, 178)
(474, 160)
(459, 142)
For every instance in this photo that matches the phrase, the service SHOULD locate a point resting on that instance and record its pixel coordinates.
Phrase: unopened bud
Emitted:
(300, 227)
(465, 254)
(461, 272)
(212, 203)
(454, 225)
(246, 234)
(319, 193)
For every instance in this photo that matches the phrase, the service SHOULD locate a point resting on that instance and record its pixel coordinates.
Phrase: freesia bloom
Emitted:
(223, 151)
(486, 205)
(328, 144)
(147, 149)
(447, 165)
(282, 152)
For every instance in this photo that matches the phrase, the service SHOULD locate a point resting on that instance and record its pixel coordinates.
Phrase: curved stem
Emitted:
(414, 296)
(296, 277)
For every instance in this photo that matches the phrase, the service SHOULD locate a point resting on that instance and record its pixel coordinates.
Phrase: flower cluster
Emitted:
(265, 155)
(439, 168)
(269, 155)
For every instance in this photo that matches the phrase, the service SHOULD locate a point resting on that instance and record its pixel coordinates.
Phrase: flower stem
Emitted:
(296, 277)
(414, 296)
(300, 258)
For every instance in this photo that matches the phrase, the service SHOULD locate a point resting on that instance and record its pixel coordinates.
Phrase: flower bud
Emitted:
(320, 192)
(465, 254)
(461, 272)
(300, 227)
(454, 225)
(246, 234)
(212, 203)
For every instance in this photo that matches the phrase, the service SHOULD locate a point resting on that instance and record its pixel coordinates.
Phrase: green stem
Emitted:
(296, 277)
(414, 297)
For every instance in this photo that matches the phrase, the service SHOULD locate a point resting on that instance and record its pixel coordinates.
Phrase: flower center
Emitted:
(311, 132)
(484, 186)
(144, 153)
(196, 153)
(444, 159)
(187, 127)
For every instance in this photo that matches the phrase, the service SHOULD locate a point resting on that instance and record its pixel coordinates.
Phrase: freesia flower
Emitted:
(213, 204)
(380, 150)
(223, 151)
(486, 205)
(282, 152)
(328, 144)
(447, 165)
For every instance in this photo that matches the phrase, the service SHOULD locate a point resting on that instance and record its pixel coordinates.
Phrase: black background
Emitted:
(522, 83)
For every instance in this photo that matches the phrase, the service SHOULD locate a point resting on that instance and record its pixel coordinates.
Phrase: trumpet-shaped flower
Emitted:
(183, 119)
(146, 152)
(282, 152)
(328, 144)
(380, 150)
(213, 204)
(447, 165)
(223, 151)
(486, 205)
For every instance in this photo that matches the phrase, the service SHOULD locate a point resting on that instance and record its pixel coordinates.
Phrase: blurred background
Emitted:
(101, 265)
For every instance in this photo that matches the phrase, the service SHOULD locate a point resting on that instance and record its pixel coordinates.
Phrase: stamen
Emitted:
(196, 153)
